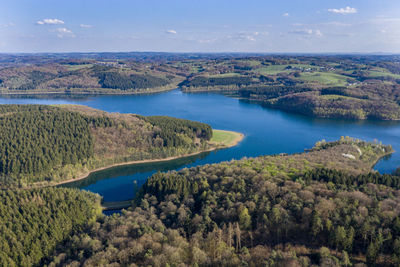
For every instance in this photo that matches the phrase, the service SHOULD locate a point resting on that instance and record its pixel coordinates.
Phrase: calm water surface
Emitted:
(267, 131)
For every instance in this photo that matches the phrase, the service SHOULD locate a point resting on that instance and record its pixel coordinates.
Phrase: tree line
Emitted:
(173, 131)
(116, 80)
(253, 212)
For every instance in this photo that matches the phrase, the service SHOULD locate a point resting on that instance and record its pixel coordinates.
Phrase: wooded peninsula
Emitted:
(47, 145)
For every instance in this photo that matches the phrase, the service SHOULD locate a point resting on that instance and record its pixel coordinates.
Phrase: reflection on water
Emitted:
(130, 177)
(267, 131)
(65, 96)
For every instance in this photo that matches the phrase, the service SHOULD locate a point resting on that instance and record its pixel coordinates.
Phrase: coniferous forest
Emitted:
(34, 221)
(52, 143)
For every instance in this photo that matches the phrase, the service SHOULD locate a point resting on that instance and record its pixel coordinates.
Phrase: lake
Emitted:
(267, 131)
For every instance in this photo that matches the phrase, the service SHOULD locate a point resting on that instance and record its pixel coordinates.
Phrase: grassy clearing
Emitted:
(324, 78)
(78, 67)
(230, 74)
(275, 69)
(252, 62)
(226, 138)
(335, 97)
(382, 73)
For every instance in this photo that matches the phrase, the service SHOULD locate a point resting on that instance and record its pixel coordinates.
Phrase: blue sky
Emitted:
(200, 26)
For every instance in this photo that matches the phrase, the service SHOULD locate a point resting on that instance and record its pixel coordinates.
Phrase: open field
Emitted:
(226, 138)
(326, 78)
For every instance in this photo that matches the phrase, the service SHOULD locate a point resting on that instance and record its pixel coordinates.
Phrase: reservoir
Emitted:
(267, 131)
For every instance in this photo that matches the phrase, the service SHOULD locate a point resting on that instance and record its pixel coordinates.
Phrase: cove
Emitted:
(266, 131)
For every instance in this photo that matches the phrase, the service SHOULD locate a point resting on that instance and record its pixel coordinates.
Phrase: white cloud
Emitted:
(343, 11)
(207, 41)
(63, 32)
(247, 36)
(10, 24)
(171, 31)
(307, 32)
(86, 26)
(335, 23)
(286, 15)
(50, 22)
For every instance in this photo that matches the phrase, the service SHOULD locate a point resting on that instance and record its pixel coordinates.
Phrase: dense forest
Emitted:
(283, 210)
(172, 131)
(54, 143)
(34, 221)
(116, 80)
(34, 139)
(217, 81)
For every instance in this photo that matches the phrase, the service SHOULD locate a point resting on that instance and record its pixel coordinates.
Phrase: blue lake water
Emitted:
(267, 131)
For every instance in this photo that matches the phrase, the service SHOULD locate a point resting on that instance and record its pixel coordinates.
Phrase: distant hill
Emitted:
(88, 76)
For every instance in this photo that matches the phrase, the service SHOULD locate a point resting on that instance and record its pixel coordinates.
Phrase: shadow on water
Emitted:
(133, 169)
(64, 96)
(268, 131)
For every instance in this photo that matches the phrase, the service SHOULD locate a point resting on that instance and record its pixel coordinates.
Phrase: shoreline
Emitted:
(85, 93)
(236, 141)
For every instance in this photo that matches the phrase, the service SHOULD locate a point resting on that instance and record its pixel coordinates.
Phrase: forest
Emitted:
(34, 221)
(171, 130)
(116, 80)
(217, 81)
(281, 210)
(49, 144)
(347, 87)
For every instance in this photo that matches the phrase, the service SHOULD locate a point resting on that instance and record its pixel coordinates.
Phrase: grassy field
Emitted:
(78, 67)
(275, 69)
(226, 138)
(378, 72)
(230, 74)
(324, 78)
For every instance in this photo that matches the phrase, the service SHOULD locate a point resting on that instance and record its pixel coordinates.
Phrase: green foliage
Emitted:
(35, 79)
(172, 129)
(35, 139)
(244, 219)
(252, 212)
(217, 81)
(269, 92)
(342, 179)
(116, 80)
(49, 143)
(34, 221)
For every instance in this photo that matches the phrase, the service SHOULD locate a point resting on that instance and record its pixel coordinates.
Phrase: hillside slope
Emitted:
(49, 144)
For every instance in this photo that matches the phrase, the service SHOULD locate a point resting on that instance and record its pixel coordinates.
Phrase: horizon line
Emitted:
(203, 52)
